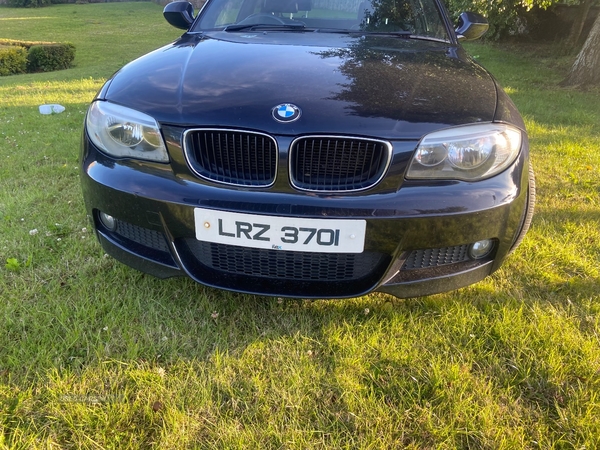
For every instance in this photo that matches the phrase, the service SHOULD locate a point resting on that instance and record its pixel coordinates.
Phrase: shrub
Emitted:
(506, 17)
(45, 58)
(13, 59)
(28, 3)
(25, 44)
(502, 15)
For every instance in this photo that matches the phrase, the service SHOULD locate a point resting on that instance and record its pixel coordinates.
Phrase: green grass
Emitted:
(96, 355)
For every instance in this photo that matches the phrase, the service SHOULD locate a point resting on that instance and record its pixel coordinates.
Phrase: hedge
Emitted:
(28, 3)
(46, 58)
(26, 44)
(39, 56)
(13, 60)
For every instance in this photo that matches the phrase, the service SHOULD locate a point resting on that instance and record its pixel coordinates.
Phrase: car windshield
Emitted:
(420, 18)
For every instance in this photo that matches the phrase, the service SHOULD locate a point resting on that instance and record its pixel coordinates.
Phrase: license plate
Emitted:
(280, 233)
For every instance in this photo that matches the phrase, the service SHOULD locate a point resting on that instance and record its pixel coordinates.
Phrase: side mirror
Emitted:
(471, 26)
(180, 14)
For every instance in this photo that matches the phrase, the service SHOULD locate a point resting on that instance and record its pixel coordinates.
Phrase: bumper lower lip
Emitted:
(160, 206)
(417, 288)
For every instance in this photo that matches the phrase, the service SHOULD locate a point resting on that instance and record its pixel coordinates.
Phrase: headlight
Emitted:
(124, 132)
(471, 152)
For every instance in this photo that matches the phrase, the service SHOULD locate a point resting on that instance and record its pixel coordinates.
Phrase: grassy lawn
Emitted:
(96, 355)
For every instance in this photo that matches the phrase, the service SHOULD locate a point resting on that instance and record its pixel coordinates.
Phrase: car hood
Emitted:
(381, 86)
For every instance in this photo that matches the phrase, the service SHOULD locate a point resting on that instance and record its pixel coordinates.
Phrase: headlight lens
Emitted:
(471, 152)
(124, 132)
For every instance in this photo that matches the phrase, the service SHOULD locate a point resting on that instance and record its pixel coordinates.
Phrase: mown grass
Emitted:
(96, 355)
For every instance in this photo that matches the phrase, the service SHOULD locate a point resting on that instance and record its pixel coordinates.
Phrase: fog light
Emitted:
(108, 221)
(481, 249)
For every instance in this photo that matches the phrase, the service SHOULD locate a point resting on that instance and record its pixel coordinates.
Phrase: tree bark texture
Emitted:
(577, 27)
(586, 69)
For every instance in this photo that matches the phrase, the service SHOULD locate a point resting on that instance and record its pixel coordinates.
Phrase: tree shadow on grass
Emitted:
(129, 341)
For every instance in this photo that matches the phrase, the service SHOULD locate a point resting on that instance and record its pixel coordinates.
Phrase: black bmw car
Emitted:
(310, 148)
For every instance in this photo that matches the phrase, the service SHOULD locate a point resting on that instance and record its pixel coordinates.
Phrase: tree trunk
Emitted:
(586, 69)
(577, 26)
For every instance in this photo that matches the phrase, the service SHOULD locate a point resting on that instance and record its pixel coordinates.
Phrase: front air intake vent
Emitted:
(234, 157)
(338, 164)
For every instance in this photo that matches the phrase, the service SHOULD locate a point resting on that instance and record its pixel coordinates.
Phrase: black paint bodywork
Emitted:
(230, 80)
(382, 87)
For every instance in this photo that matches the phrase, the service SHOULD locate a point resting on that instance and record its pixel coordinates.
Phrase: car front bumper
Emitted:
(417, 237)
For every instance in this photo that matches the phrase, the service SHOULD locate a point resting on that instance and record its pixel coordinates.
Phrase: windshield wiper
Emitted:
(270, 27)
(405, 35)
(335, 30)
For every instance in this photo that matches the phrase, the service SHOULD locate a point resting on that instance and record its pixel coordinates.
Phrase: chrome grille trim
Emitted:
(232, 156)
(376, 164)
